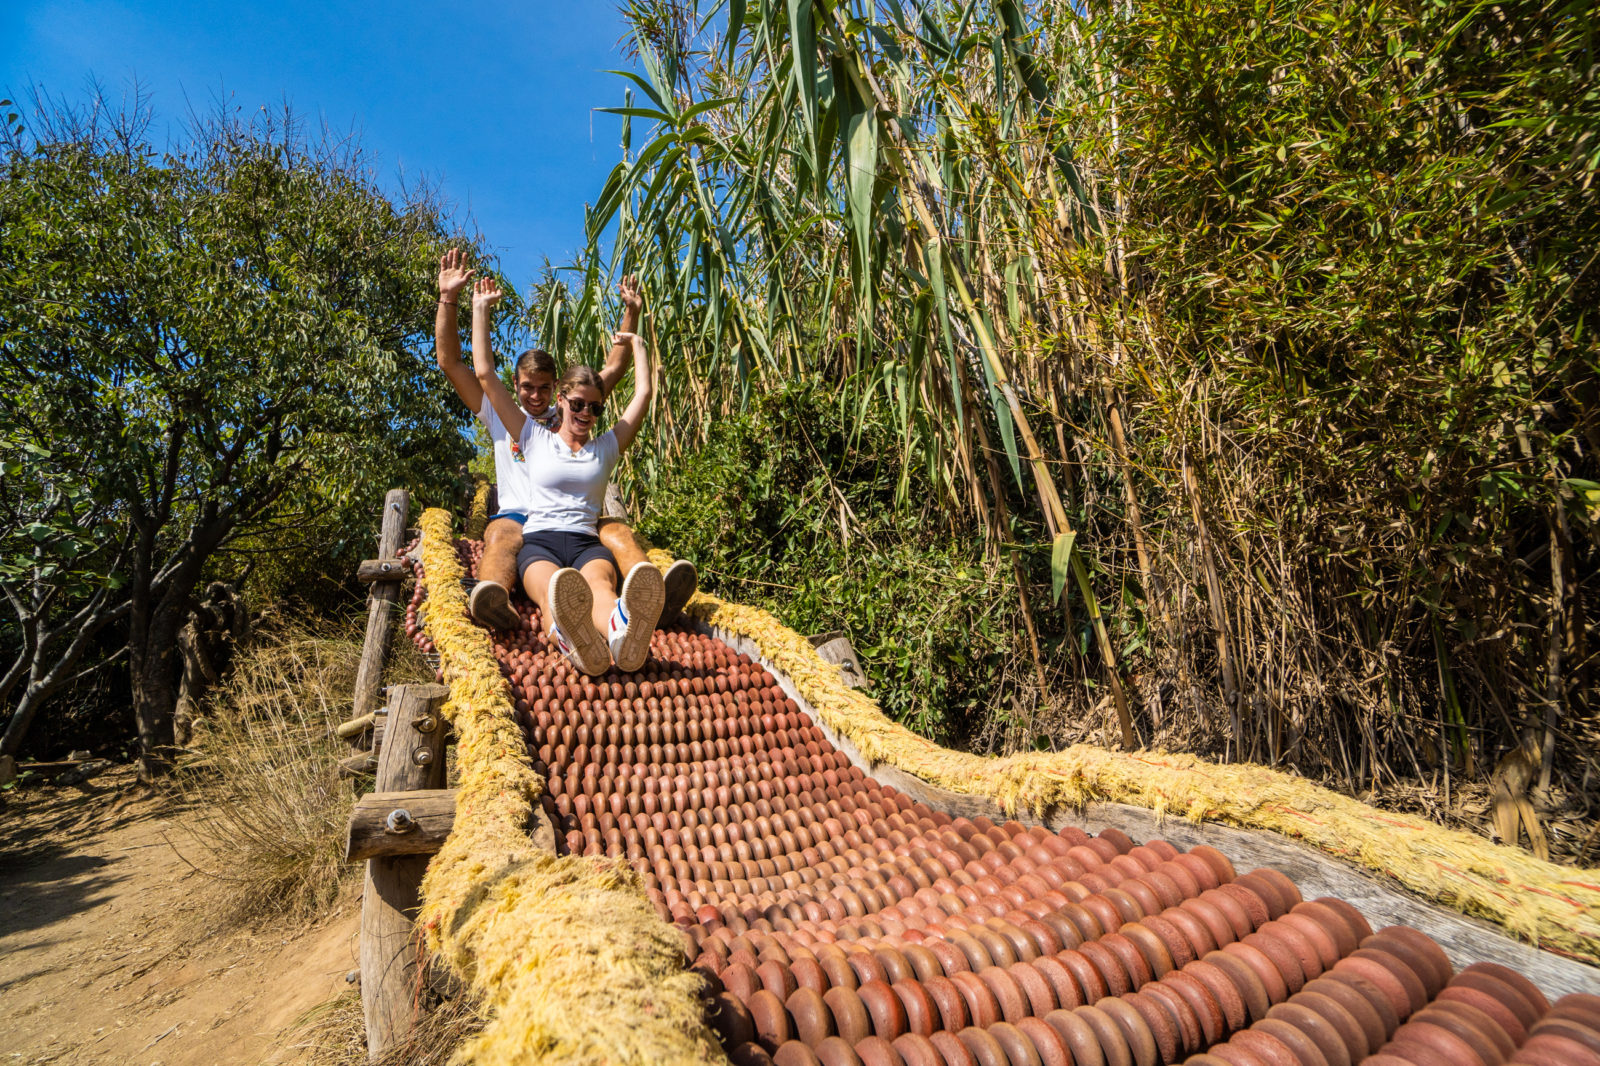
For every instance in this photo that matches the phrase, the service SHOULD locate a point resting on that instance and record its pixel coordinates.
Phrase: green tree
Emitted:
(204, 346)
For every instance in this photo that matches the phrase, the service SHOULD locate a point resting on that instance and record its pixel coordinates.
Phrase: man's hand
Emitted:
(485, 294)
(632, 298)
(453, 275)
(629, 340)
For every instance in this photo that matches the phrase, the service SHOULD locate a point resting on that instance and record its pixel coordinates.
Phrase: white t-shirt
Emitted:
(565, 489)
(510, 472)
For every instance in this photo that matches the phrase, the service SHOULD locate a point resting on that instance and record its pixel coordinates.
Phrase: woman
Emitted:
(563, 566)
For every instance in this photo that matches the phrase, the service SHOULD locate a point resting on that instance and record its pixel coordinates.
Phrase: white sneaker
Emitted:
(634, 617)
(571, 627)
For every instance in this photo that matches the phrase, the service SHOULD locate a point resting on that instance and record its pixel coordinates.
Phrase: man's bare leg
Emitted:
(490, 602)
(681, 578)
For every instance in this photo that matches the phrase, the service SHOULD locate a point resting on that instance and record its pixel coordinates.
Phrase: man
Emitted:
(534, 384)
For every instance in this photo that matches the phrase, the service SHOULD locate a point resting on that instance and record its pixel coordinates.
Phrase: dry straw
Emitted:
(567, 954)
(1556, 907)
(478, 514)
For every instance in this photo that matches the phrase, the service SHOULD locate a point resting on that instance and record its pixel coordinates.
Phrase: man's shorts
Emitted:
(563, 548)
(518, 516)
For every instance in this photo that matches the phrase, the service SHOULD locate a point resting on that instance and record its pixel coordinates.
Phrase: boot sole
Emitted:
(571, 604)
(490, 605)
(643, 593)
(681, 580)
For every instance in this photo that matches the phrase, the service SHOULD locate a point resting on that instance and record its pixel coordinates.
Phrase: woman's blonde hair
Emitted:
(580, 375)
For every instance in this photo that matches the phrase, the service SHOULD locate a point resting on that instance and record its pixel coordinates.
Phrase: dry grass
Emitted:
(334, 1034)
(271, 808)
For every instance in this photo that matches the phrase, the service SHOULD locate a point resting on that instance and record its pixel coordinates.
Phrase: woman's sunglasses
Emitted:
(595, 407)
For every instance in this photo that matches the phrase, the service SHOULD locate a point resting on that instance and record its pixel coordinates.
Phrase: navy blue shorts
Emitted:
(518, 515)
(562, 547)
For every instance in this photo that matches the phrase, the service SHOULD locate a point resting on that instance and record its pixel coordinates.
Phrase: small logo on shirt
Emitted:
(516, 453)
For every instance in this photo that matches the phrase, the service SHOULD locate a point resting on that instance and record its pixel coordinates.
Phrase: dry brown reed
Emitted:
(270, 809)
(335, 1034)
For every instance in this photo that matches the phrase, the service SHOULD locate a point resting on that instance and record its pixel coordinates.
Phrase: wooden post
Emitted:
(412, 758)
(836, 648)
(380, 607)
(385, 824)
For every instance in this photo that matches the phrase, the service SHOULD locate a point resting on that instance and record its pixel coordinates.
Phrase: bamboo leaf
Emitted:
(860, 137)
(803, 48)
(1002, 410)
(1061, 563)
(735, 27)
(648, 89)
(638, 112)
(941, 299)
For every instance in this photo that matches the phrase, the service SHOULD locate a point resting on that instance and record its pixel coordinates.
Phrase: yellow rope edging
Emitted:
(568, 954)
(1555, 907)
(478, 515)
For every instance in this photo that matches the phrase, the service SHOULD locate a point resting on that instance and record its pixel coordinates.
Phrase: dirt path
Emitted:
(106, 953)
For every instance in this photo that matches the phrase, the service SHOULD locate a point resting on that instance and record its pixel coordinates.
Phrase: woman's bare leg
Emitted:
(536, 583)
(602, 578)
(681, 577)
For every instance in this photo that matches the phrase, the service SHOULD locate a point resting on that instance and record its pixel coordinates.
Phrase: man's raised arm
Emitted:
(621, 354)
(453, 278)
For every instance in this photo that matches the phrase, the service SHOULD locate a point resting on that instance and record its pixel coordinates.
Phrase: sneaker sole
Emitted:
(571, 604)
(643, 593)
(681, 581)
(490, 605)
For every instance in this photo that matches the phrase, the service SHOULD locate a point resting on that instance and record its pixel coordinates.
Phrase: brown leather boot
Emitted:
(681, 579)
(490, 605)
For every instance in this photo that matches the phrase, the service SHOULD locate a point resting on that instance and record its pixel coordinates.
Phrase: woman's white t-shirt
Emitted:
(565, 490)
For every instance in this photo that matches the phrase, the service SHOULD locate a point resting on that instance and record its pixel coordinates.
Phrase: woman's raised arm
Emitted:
(627, 426)
(484, 296)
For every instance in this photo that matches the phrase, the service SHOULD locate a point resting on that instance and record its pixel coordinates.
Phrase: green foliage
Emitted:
(222, 346)
(1287, 305)
(790, 506)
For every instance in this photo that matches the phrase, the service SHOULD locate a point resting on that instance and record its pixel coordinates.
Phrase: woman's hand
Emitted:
(632, 341)
(453, 274)
(485, 294)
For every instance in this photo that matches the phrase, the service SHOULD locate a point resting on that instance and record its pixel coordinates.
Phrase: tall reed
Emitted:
(1249, 336)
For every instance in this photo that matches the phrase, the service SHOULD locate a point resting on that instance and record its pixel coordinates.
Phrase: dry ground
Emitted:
(109, 952)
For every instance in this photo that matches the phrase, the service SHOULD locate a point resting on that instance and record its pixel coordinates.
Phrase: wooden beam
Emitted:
(399, 823)
(372, 570)
(412, 758)
(836, 648)
(355, 726)
(362, 762)
(381, 602)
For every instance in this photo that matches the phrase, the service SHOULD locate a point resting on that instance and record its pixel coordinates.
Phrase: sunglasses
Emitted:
(594, 407)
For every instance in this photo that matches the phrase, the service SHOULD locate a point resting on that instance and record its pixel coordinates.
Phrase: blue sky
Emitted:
(493, 101)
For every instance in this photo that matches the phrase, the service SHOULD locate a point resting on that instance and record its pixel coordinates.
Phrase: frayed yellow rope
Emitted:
(572, 961)
(478, 515)
(1555, 907)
